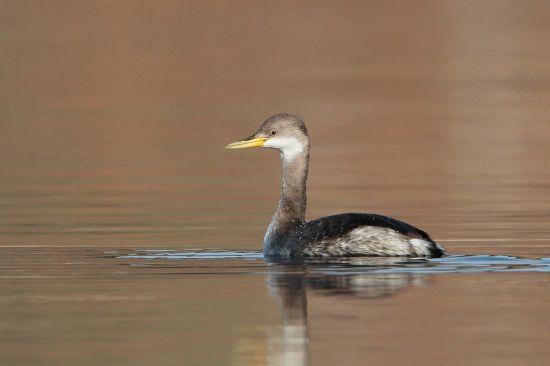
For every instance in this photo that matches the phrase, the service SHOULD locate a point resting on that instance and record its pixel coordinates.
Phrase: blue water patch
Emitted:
(200, 254)
(359, 265)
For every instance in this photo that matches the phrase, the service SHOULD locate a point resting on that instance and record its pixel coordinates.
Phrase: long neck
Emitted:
(292, 204)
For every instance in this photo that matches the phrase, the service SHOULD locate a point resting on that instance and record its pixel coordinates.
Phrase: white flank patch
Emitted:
(290, 147)
(421, 246)
(371, 240)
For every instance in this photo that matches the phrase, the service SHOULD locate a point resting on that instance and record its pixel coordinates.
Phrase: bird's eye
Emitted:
(273, 132)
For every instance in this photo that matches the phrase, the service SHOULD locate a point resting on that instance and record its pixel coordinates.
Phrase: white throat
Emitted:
(290, 147)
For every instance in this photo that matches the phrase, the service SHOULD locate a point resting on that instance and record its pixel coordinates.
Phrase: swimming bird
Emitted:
(348, 234)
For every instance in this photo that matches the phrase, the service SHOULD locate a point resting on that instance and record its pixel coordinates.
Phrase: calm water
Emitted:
(129, 236)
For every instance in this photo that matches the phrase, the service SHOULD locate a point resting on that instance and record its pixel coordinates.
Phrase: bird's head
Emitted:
(284, 132)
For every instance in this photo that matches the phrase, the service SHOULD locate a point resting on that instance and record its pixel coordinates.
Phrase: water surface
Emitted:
(89, 307)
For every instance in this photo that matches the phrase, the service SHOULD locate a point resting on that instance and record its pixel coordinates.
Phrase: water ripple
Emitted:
(362, 265)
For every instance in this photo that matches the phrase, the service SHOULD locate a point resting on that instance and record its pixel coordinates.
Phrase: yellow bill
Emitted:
(255, 142)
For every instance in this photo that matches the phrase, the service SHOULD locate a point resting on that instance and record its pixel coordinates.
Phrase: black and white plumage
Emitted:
(349, 234)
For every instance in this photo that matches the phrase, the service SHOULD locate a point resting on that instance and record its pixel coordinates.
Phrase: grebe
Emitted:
(348, 234)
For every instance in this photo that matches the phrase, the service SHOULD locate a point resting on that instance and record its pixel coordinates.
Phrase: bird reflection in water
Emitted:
(291, 283)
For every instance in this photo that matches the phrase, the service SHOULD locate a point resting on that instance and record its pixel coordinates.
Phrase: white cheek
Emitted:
(290, 147)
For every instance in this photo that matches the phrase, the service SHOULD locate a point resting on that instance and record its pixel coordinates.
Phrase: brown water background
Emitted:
(113, 119)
